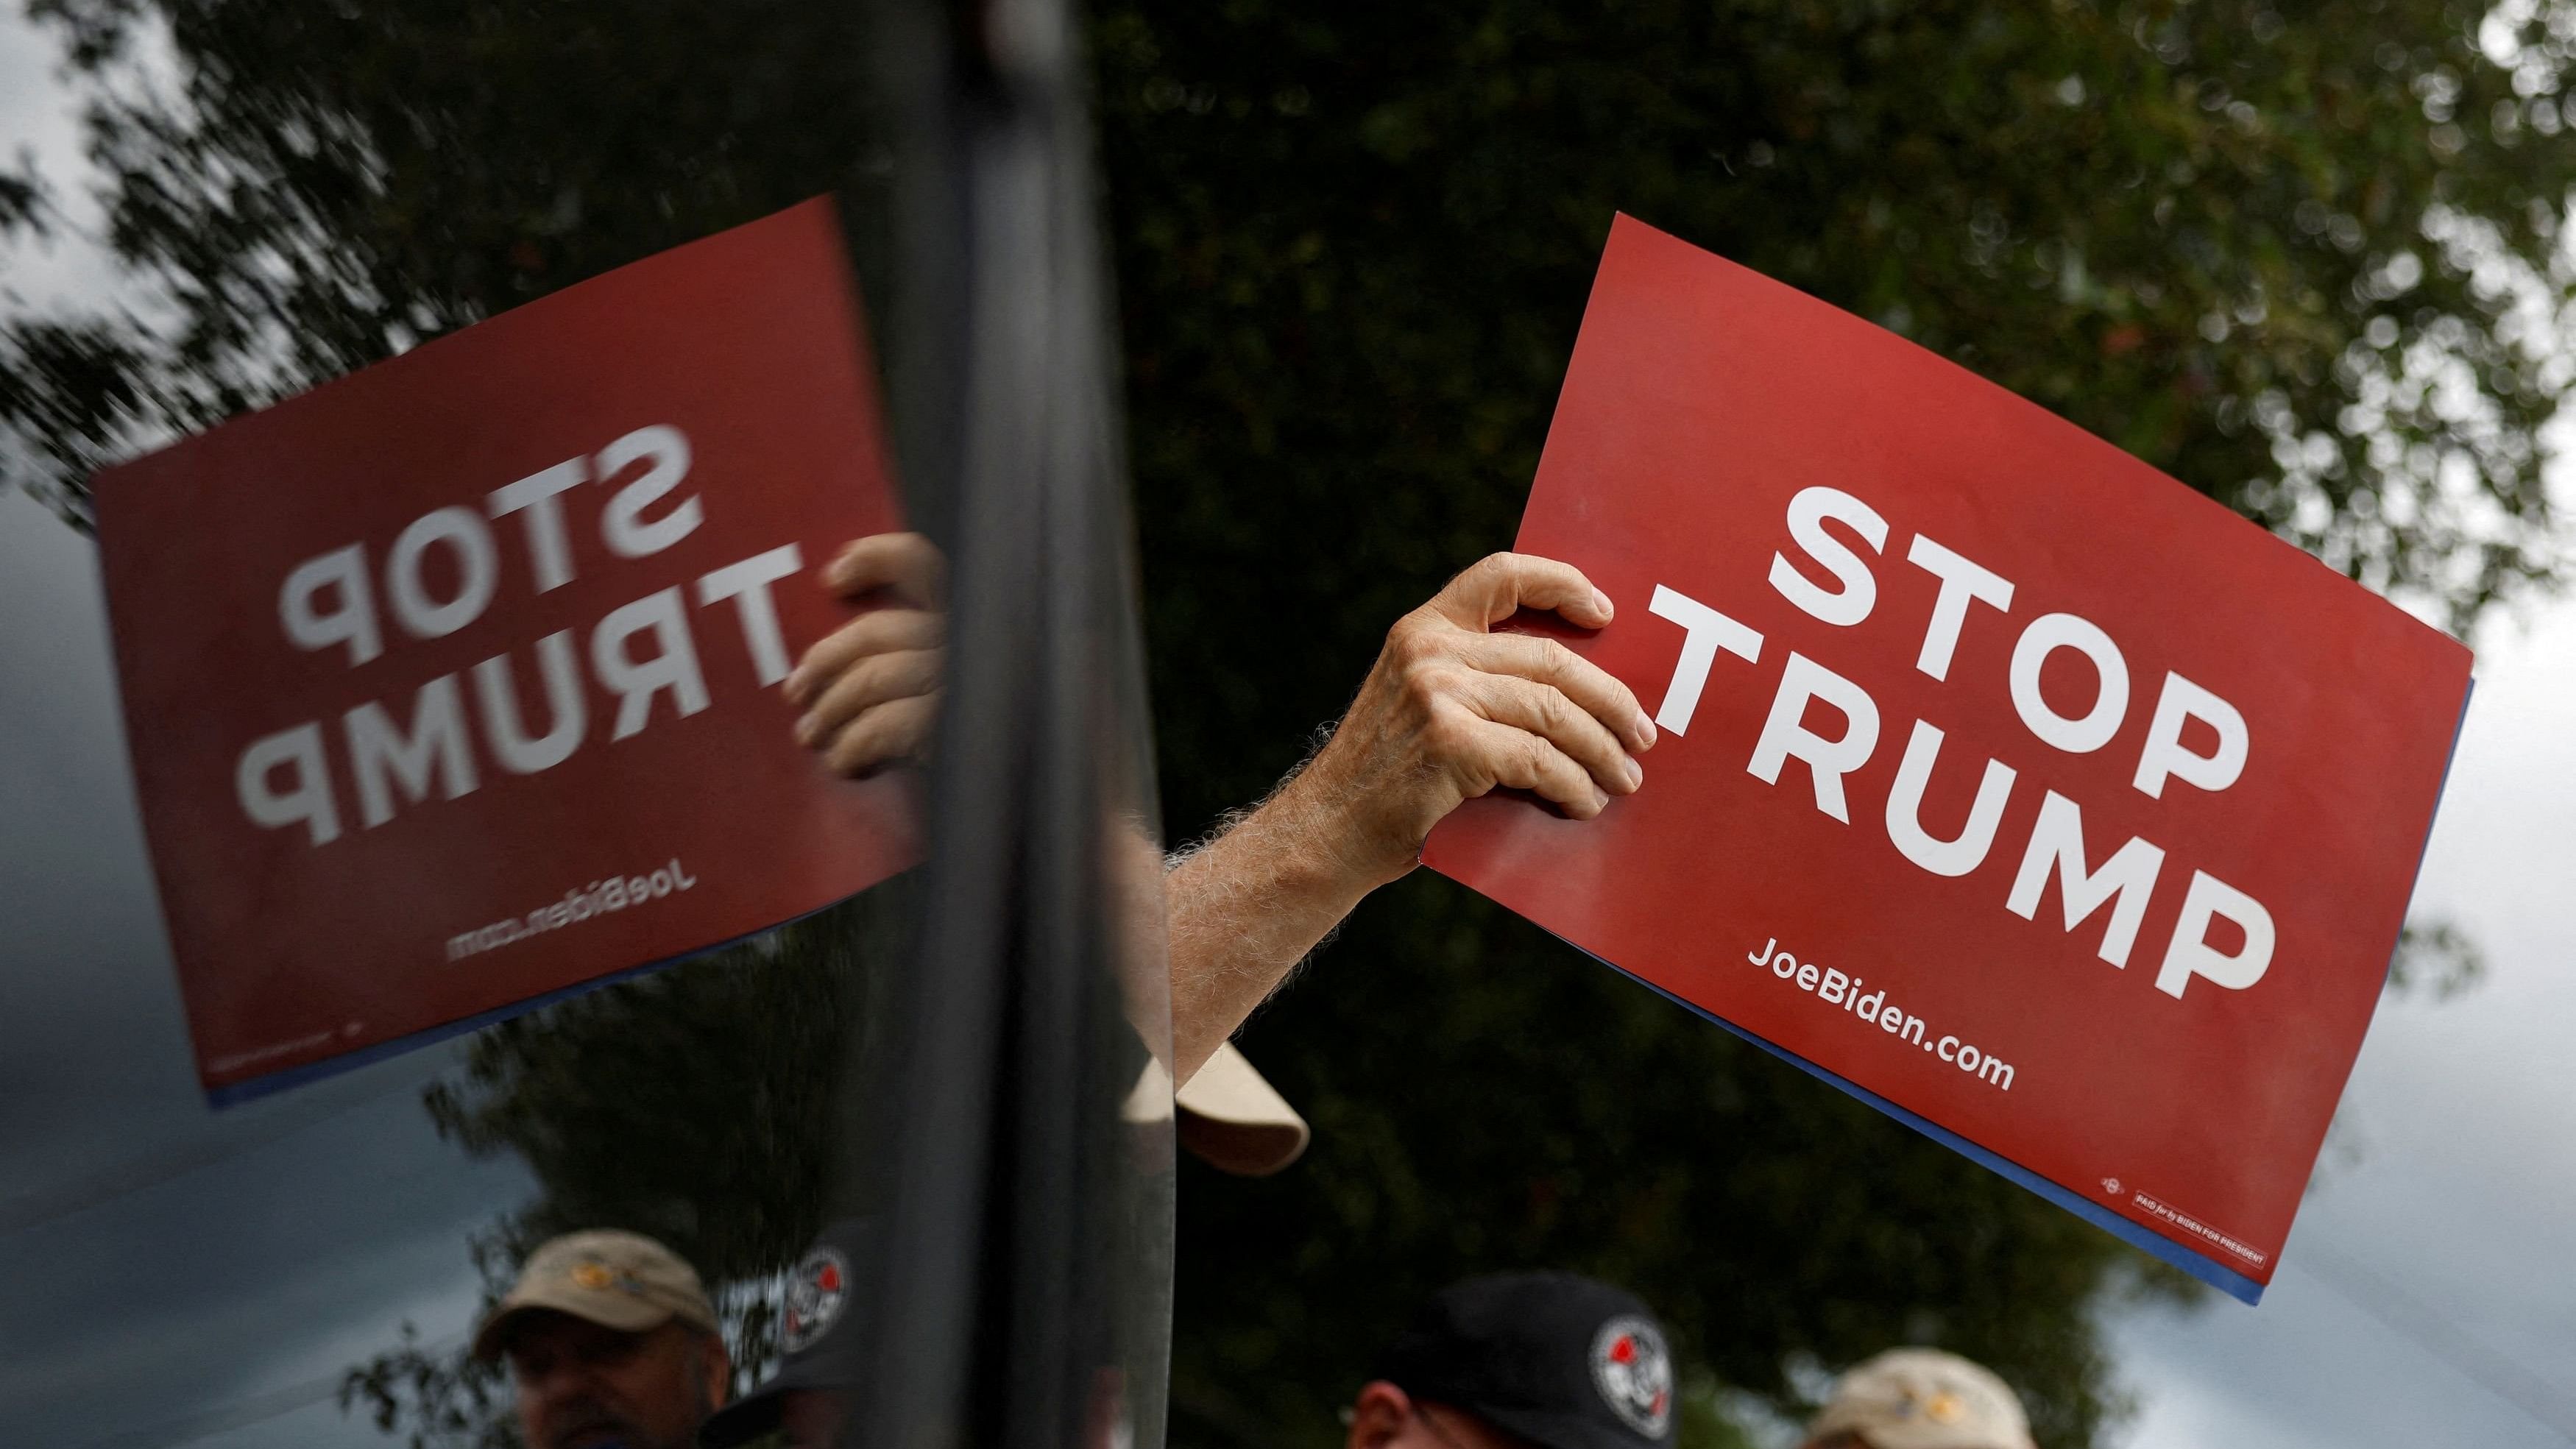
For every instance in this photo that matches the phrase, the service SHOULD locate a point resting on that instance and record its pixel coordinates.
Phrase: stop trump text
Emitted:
(2195, 740)
(441, 573)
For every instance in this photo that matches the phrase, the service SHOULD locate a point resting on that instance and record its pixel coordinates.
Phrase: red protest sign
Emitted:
(2002, 778)
(453, 682)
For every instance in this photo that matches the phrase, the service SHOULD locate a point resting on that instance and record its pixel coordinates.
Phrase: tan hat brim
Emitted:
(1151, 1100)
(1236, 1121)
(1933, 1436)
(1880, 1434)
(619, 1311)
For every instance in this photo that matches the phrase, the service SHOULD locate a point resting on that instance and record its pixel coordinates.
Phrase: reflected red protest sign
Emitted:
(453, 683)
(2002, 779)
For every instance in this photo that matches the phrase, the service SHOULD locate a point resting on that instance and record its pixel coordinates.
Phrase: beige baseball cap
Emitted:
(1235, 1120)
(619, 1280)
(1230, 1117)
(1922, 1398)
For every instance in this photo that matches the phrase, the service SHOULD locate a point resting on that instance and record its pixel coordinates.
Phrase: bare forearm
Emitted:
(1450, 711)
(1249, 905)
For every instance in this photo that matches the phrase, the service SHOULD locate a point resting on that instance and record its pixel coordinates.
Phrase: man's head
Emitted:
(1920, 1398)
(612, 1344)
(1523, 1361)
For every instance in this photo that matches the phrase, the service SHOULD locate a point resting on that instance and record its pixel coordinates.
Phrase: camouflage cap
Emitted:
(618, 1280)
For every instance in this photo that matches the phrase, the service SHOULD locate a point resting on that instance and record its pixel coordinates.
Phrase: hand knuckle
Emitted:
(866, 734)
(1427, 680)
(1424, 655)
(1403, 638)
(844, 756)
(1447, 736)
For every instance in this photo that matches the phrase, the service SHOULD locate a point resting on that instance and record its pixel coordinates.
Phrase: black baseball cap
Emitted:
(1558, 1359)
(820, 1320)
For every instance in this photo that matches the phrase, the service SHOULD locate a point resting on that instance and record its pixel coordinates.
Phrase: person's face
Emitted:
(582, 1386)
(1386, 1417)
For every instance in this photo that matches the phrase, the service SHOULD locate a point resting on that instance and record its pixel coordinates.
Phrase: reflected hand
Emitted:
(870, 689)
(1453, 710)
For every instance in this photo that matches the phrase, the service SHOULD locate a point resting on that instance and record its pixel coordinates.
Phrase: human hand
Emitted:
(870, 689)
(1452, 710)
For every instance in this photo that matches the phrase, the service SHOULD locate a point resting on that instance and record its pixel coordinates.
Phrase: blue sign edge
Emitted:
(2208, 1270)
(251, 1089)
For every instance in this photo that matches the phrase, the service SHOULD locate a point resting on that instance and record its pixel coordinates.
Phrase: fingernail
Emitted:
(1601, 601)
(1645, 732)
(1636, 773)
(1600, 799)
(805, 730)
(794, 688)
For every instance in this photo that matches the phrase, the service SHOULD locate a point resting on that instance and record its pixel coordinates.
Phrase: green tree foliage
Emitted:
(695, 1106)
(2310, 266)
(1482, 1097)
(2308, 262)
(327, 184)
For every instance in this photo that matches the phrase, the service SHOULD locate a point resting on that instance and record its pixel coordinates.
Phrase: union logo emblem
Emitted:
(816, 1293)
(1634, 1374)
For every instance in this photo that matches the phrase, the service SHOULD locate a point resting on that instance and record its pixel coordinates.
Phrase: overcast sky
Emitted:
(169, 1270)
(162, 1260)
(2428, 1293)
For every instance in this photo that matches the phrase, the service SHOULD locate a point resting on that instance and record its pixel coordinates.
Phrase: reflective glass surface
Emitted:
(245, 201)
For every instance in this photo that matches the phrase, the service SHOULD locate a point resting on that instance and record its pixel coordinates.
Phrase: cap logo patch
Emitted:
(1946, 1408)
(595, 1276)
(816, 1293)
(1634, 1374)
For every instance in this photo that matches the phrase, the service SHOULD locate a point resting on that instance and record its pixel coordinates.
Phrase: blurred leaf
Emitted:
(2438, 956)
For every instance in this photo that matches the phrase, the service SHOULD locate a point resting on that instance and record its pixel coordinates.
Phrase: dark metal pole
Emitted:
(1023, 1298)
